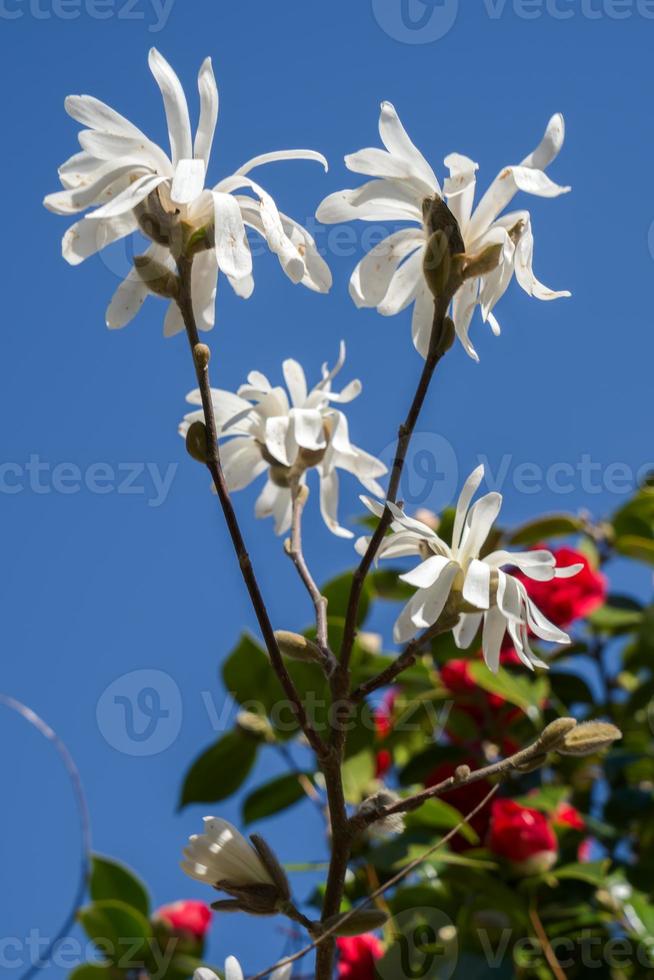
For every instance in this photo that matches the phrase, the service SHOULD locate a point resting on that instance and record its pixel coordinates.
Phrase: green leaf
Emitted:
(337, 593)
(358, 773)
(633, 546)
(619, 615)
(249, 678)
(544, 528)
(439, 815)
(593, 872)
(386, 584)
(112, 880)
(94, 971)
(221, 770)
(517, 689)
(122, 933)
(570, 688)
(278, 794)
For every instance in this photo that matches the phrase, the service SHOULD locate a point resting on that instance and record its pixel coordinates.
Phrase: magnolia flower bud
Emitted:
(297, 647)
(481, 263)
(254, 724)
(355, 923)
(437, 217)
(157, 277)
(196, 442)
(589, 737)
(273, 867)
(201, 355)
(380, 825)
(437, 263)
(556, 732)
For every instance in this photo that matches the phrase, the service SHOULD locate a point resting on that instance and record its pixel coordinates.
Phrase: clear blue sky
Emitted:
(97, 585)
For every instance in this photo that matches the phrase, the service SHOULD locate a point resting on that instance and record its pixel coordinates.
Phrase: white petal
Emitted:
(276, 438)
(479, 522)
(177, 117)
(372, 276)
(549, 147)
(396, 141)
(277, 155)
(404, 285)
(466, 629)
(468, 491)
(109, 146)
(173, 322)
(492, 637)
(378, 163)
(434, 599)
(85, 238)
(129, 198)
(208, 112)
(524, 256)
(88, 111)
(188, 182)
(476, 586)
(90, 190)
(243, 287)
(568, 571)
(233, 969)
(308, 428)
(422, 321)
(463, 308)
(204, 280)
(126, 302)
(296, 382)
(232, 249)
(427, 573)
(329, 504)
(242, 462)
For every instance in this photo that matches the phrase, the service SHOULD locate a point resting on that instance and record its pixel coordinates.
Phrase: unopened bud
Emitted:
(481, 263)
(196, 442)
(437, 263)
(589, 737)
(555, 732)
(157, 277)
(297, 647)
(202, 356)
(447, 337)
(461, 773)
(254, 724)
(272, 866)
(355, 923)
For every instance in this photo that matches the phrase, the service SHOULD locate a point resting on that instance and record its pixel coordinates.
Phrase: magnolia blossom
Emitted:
(284, 435)
(133, 184)
(233, 971)
(221, 853)
(390, 277)
(457, 571)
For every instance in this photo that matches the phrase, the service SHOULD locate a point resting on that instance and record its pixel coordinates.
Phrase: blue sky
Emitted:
(97, 585)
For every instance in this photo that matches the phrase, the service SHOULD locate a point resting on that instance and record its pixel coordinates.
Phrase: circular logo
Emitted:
(140, 713)
(424, 947)
(430, 475)
(416, 21)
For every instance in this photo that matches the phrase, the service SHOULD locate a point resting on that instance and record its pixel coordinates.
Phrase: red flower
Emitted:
(187, 917)
(357, 956)
(490, 712)
(563, 600)
(464, 799)
(383, 719)
(522, 836)
(566, 815)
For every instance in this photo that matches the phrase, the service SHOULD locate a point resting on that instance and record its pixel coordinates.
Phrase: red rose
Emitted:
(464, 799)
(522, 836)
(566, 815)
(188, 917)
(357, 956)
(563, 600)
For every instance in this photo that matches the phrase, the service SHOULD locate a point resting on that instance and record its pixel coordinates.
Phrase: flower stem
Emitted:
(185, 303)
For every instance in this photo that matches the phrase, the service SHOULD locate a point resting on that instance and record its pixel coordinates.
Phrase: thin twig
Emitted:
(395, 880)
(546, 946)
(298, 493)
(214, 466)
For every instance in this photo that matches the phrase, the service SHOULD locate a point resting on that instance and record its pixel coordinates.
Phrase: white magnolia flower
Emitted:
(502, 600)
(390, 277)
(127, 177)
(285, 434)
(233, 971)
(221, 853)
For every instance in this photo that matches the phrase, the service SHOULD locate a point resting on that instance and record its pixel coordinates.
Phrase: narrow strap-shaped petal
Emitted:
(277, 155)
(129, 198)
(204, 282)
(85, 238)
(188, 181)
(466, 629)
(175, 105)
(404, 285)
(91, 112)
(208, 113)
(232, 249)
(81, 197)
(476, 586)
(492, 637)
(308, 428)
(233, 969)
(329, 504)
(109, 146)
(296, 381)
(481, 517)
(425, 575)
(550, 145)
(372, 276)
(468, 491)
(396, 140)
(434, 599)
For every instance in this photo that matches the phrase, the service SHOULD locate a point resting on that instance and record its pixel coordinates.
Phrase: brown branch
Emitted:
(391, 883)
(546, 946)
(201, 361)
